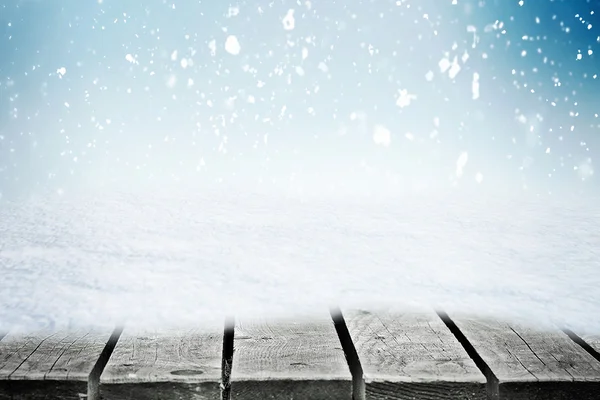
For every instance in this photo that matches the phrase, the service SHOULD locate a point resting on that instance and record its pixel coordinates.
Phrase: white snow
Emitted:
(212, 45)
(461, 163)
(233, 11)
(171, 260)
(454, 69)
(444, 65)
(198, 108)
(232, 46)
(382, 136)
(404, 98)
(475, 86)
(130, 58)
(288, 21)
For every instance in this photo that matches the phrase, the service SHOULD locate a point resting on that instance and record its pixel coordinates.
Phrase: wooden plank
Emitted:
(165, 363)
(292, 358)
(590, 343)
(530, 364)
(49, 365)
(593, 340)
(408, 355)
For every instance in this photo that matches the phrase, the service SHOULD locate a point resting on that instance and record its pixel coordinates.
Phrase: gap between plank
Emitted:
(227, 360)
(581, 342)
(492, 386)
(356, 370)
(93, 387)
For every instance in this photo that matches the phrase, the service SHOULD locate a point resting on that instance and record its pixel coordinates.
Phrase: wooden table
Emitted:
(337, 354)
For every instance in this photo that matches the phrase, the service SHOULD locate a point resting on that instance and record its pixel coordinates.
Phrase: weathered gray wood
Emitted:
(412, 356)
(51, 365)
(531, 364)
(177, 364)
(590, 343)
(299, 358)
(593, 341)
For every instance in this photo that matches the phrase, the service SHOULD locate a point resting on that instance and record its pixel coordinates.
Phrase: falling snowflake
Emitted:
(461, 163)
(404, 98)
(232, 46)
(475, 86)
(382, 136)
(289, 21)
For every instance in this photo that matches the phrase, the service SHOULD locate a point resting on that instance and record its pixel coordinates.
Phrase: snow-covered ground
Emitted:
(178, 259)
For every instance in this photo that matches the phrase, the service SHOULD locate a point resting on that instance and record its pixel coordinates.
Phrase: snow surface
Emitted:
(481, 106)
(185, 258)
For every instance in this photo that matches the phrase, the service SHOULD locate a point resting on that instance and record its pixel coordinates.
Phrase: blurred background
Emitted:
(307, 96)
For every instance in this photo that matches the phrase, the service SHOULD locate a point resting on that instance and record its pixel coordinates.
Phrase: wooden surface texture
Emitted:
(349, 354)
(405, 355)
(48, 365)
(532, 364)
(292, 358)
(164, 364)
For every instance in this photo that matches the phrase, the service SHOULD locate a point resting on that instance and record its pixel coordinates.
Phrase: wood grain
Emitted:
(165, 364)
(412, 356)
(298, 359)
(531, 364)
(48, 365)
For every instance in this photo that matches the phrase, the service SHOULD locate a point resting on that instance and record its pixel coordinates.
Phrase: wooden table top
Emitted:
(340, 354)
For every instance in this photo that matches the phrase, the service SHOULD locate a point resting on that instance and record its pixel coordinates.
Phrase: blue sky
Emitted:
(94, 93)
